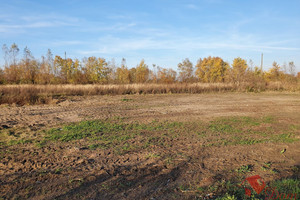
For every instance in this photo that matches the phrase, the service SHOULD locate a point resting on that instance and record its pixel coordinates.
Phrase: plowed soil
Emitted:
(184, 167)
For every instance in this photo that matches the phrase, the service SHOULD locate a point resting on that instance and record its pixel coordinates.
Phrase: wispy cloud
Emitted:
(114, 45)
(192, 6)
(67, 43)
(22, 23)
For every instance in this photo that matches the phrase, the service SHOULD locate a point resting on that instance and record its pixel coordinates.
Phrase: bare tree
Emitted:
(292, 68)
(186, 70)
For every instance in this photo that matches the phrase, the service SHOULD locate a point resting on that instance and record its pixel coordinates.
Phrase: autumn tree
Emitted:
(77, 76)
(122, 73)
(211, 69)
(2, 79)
(12, 70)
(142, 72)
(239, 69)
(166, 75)
(274, 74)
(154, 73)
(186, 70)
(59, 68)
(132, 75)
(112, 74)
(258, 71)
(97, 70)
(46, 69)
(29, 67)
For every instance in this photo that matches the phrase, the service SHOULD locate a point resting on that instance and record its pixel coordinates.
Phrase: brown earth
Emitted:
(72, 171)
(149, 107)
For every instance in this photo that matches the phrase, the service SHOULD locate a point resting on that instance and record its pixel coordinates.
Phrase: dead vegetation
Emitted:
(47, 94)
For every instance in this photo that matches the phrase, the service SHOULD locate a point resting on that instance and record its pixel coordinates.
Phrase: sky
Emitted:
(163, 32)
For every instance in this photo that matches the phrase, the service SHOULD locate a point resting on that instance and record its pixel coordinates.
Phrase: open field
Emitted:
(153, 146)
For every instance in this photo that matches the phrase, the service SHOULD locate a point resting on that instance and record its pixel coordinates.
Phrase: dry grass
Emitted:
(44, 94)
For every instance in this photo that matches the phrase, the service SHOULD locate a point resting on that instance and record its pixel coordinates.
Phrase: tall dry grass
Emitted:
(44, 94)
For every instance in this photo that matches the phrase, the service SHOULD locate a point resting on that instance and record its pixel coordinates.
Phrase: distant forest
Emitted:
(92, 70)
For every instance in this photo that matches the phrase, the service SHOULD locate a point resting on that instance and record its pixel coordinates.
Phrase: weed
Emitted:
(58, 171)
(93, 146)
(126, 100)
(287, 186)
(40, 144)
(21, 141)
(152, 155)
(266, 166)
(284, 138)
(268, 119)
(245, 169)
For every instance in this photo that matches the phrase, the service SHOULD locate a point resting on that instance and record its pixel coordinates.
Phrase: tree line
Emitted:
(96, 70)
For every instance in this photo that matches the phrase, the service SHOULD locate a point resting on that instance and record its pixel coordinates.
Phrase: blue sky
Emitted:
(163, 32)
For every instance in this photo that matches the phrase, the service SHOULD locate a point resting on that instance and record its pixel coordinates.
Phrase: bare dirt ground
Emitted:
(149, 107)
(179, 169)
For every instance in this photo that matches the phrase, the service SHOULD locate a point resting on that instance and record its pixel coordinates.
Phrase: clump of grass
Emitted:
(21, 141)
(152, 155)
(126, 100)
(287, 186)
(284, 137)
(282, 189)
(245, 169)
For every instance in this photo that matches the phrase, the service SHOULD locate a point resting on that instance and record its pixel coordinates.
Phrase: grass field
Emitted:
(162, 146)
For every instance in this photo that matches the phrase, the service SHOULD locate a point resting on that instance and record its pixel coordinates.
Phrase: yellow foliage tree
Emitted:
(239, 69)
(132, 75)
(123, 74)
(211, 69)
(142, 72)
(97, 70)
(274, 74)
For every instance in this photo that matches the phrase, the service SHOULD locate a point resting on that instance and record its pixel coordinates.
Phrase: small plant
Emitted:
(152, 155)
(58, 171)
(244, 169)
(126, 100)
(93, 146)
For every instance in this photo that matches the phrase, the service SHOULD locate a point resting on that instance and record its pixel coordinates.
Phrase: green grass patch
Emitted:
(282, 190)
(105, 134)
(287, 186)
(244, 169)
(21, 141)
(285, 138)
(126, 100)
